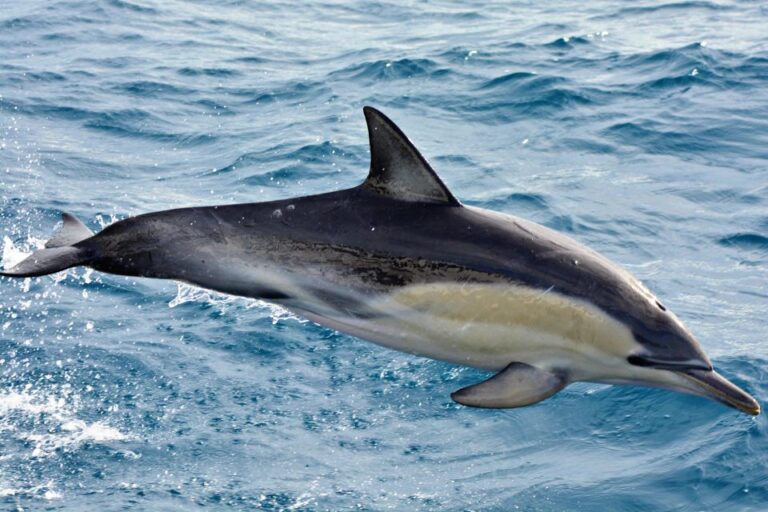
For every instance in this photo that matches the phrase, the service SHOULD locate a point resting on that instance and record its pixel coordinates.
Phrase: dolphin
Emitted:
(399, 261)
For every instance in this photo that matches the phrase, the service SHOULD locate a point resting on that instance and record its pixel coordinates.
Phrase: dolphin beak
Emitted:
(710, 384)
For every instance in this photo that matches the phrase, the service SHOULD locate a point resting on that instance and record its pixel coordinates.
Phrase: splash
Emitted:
(55, 426)
(47, 491)
(222, 302)
(14, 254)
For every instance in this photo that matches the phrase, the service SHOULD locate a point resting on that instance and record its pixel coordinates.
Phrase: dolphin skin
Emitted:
(399, 261)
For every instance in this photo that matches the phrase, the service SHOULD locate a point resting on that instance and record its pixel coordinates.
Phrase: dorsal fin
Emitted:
(397, 168)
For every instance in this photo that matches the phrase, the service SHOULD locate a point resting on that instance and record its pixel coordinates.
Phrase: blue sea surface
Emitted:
(639, 129)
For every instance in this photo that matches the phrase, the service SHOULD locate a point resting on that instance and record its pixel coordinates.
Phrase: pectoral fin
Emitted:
(517, 385)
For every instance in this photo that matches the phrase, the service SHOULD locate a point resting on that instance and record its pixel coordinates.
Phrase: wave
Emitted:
(656, 137)
(152, 89)
(385, 70)
(568, 42)
(291, 93)
(745, 241)
(132, 6)
(673, 6)
(322, 154)
(214, 72)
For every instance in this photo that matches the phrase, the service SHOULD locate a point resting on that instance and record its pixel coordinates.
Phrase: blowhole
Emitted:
(661, 306)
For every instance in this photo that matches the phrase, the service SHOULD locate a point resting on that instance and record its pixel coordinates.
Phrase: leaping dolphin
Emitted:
(399, 261)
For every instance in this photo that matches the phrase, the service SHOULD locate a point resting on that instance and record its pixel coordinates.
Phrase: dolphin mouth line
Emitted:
(711, 384)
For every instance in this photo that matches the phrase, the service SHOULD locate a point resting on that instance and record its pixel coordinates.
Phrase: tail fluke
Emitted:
(59, 253)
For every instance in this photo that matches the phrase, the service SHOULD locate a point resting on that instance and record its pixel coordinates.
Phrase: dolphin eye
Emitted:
(661, 306)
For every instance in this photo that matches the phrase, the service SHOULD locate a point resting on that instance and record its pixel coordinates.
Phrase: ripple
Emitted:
(746, 241)
(517, 77)
(215, 72)
(707, 143)
(673, 6)
(651, 138)
(288, 174)
(321, 154)
(568, 42)
(131, 6)
(151, 89)
(23, 23)
(592, 145)
(291, 93)
(392, 70)
(251, 59)
(519, 202)
(525, 82)
(60, 37)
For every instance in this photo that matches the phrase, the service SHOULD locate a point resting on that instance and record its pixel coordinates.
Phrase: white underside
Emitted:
(489, 326)
(484, 326)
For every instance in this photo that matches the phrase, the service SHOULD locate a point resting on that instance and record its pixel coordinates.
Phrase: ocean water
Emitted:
(640, 129)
